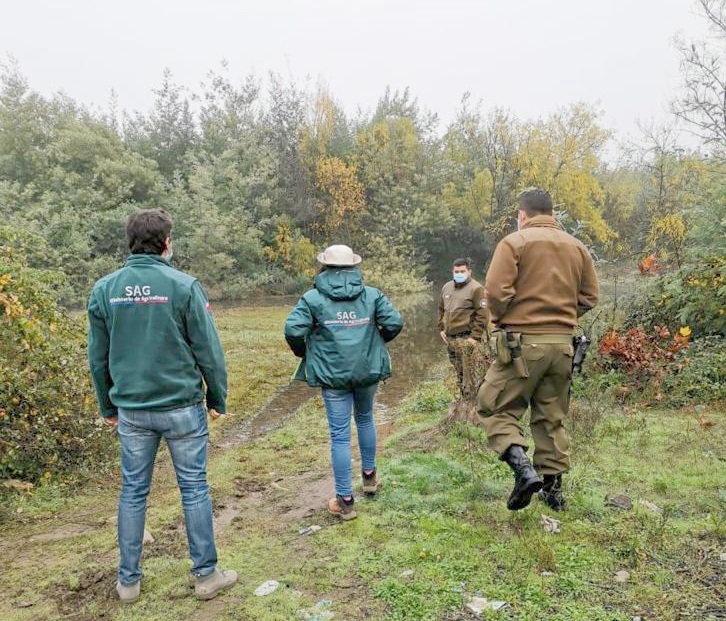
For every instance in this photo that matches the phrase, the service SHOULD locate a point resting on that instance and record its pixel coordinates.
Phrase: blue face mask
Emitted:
(460, 278)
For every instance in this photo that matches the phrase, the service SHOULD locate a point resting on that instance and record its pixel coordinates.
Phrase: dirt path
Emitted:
(273, 507)
(83, 535)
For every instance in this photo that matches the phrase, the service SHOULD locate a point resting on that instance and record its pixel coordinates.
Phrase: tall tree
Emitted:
(702, 102)
(227, 113)
(168, 132)
(562, 155)
(283, 120)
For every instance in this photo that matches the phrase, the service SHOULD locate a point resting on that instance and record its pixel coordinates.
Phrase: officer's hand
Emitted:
(442, 334)
(111, 421)
(213, 414)
(471, 341)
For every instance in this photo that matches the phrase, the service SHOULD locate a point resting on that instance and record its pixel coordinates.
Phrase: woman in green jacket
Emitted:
(339, 329)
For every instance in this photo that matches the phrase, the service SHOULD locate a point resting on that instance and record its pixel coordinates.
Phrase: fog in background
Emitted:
(528, 56)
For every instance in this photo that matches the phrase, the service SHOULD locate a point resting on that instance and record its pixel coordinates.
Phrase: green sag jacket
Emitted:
(152, 342)
(340, 328)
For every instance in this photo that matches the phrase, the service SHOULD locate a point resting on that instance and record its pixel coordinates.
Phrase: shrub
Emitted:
(693, 296)
(642, 356)
(49, 423)
(669, 369)
(700, 375)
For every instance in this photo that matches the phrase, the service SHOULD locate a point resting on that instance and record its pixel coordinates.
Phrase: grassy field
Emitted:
(258, 360)
(437, 535)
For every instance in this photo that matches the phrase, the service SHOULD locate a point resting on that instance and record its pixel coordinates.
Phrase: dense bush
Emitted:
(49, 423)
(659, 366)
(693, 296)
(641, 355)
(700, 373)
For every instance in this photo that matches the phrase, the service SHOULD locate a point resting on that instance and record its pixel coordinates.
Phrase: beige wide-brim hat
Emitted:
(339, 255)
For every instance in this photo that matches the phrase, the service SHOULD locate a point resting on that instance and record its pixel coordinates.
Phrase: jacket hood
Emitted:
(340, 283)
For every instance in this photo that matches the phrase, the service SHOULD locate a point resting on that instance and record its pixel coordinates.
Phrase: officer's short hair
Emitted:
(462, 261)
(535, 202)
(147, 231)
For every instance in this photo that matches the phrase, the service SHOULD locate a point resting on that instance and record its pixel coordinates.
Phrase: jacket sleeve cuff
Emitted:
(219, 406)
(297, 345)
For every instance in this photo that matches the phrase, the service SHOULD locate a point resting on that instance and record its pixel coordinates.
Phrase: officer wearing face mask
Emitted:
(463, 314)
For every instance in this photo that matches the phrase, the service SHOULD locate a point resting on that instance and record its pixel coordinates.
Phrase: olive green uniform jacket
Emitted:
(463, 309)
(540, 280)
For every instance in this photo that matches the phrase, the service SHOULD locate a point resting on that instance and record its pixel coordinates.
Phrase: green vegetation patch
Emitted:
(436, 535)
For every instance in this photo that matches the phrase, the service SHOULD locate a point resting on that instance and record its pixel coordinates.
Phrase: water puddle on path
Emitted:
(413, 354)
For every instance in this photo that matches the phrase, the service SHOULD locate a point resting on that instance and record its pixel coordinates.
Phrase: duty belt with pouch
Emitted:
(459, 335)
(506, 347)
(498, 347)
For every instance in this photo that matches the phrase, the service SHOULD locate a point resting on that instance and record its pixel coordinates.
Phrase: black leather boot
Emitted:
(526, 479)
(551, 493)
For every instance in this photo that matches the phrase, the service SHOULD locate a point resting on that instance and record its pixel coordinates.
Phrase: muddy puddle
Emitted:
(414, 353)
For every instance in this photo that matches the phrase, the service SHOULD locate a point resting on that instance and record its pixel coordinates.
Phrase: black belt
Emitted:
(458, 335)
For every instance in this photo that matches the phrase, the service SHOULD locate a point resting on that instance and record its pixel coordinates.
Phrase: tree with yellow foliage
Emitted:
(342, 199)
(562, 154)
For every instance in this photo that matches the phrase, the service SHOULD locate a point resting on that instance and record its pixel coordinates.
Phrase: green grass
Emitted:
(258, 360)
(437, 534)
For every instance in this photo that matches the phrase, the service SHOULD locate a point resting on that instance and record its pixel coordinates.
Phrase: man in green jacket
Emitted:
(155, 356)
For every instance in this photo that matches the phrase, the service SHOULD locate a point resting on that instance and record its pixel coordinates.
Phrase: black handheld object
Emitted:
(580, 345)
(514, 344)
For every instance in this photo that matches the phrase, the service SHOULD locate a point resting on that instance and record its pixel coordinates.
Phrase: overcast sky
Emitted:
(530, 56)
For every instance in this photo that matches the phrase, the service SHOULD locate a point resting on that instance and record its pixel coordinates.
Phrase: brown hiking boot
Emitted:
(371, 483)
(344, 509)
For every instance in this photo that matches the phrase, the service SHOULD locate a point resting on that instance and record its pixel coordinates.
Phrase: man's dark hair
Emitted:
(147, 231)
(535, 202)
(462, 261)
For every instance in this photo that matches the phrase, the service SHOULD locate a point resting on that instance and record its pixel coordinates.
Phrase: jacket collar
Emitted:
(542, 221)
(146, 259)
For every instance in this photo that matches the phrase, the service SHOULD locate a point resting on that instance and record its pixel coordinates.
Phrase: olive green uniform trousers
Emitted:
(454, 349)
(504, 397)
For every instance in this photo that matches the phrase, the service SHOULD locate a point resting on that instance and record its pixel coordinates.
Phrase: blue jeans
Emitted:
(185, 432)
(338, 406)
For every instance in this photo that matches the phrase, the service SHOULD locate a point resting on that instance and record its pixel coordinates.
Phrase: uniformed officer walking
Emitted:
(463, 315)
(541, 279)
